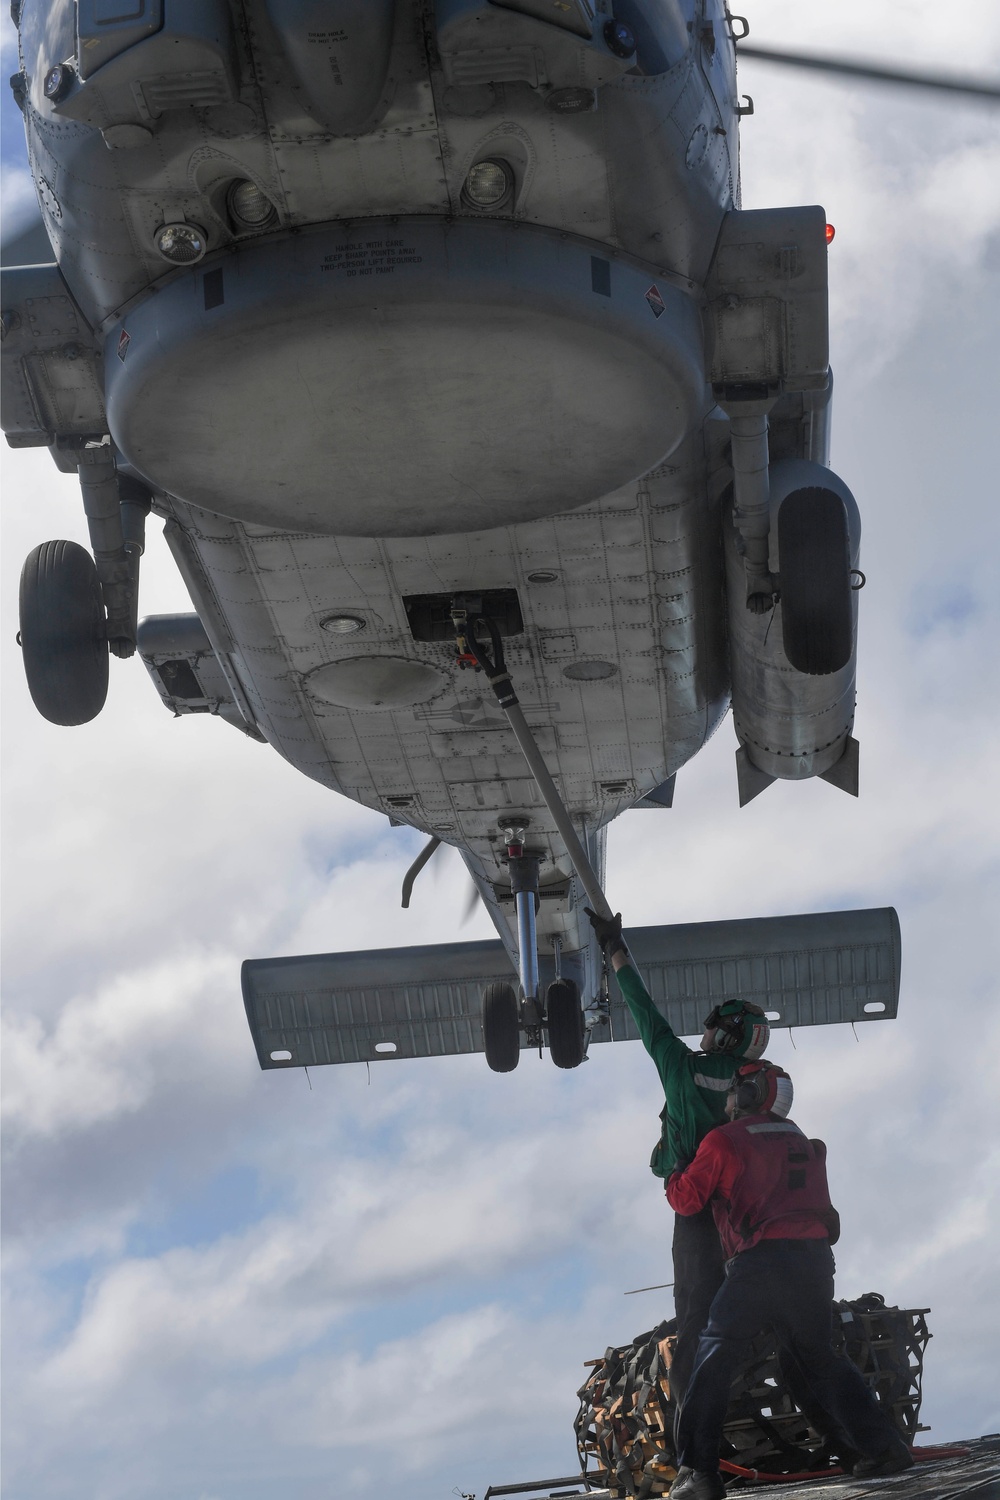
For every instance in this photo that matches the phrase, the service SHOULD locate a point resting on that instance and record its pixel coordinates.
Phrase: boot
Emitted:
(892, 1460)
(696, 1484)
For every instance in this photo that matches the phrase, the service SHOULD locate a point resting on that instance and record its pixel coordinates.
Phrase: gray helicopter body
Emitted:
(383, 305)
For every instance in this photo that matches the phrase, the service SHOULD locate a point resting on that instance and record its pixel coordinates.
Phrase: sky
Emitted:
(228, 1285)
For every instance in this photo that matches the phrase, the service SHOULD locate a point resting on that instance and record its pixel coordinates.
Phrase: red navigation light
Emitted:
(830, 232)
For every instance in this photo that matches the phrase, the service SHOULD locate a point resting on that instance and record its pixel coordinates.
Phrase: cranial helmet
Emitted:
(761, 1087)
(740, 1028)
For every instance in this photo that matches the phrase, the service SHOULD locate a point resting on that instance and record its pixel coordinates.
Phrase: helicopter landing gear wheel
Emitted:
(501, 1027)
(817, 615)
(565, 1023)
(63, 635)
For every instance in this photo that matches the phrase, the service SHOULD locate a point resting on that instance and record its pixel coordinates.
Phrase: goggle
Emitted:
(732, 1024)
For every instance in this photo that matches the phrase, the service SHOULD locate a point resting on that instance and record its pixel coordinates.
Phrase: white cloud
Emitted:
(20, 203)
(8, 39)
(104, 1055)
(358, 1232)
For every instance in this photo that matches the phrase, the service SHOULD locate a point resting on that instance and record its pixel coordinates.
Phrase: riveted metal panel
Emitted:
(51, 376)
(766, 320)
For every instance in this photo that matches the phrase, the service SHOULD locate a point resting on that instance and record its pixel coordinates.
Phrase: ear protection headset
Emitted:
(762, 1087)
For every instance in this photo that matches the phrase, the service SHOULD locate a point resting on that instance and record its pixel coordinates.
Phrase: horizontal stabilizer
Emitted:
(343, 1007)
(425, 1002)
(811, 970)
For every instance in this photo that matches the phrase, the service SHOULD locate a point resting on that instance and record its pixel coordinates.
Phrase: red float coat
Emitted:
(764, 1180)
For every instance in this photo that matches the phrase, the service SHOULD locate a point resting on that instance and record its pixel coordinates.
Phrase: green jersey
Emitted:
(695, 1083)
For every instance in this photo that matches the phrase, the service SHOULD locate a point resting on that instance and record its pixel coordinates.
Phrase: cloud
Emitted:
(8, 39)
(165, 1337)
(106, 1053)
(20, 202)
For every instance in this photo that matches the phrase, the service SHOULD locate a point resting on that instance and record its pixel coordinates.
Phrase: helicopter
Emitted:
(441, 344)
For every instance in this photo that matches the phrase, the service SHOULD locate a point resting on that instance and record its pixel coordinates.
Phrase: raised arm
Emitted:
(658, 1038)
(655, 1030)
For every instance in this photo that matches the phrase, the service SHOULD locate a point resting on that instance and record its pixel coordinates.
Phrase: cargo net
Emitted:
(624, 1428)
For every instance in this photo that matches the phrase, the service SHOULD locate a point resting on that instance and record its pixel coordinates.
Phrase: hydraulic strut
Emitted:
(116, 507)
(524, 885)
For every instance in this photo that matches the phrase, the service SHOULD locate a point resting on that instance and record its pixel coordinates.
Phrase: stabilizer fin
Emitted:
(750, 778)
(845, 773)
(660, 796)
(815, 969)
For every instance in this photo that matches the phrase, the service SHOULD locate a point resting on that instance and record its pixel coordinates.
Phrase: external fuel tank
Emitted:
(790, 724)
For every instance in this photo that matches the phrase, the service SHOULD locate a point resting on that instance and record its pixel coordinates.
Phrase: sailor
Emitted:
(695, 1085)
(766, 1185)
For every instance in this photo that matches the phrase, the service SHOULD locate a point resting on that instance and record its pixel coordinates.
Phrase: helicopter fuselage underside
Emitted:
(621, 667)
(404, 377)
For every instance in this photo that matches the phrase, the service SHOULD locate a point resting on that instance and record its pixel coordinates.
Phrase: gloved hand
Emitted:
(608, 931)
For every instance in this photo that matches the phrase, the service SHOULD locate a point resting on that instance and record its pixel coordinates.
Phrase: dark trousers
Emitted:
(699, 1271)
(786, 1285)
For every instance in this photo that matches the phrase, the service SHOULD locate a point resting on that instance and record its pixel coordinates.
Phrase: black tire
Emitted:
(564, 1019)
(64, 638)
(501, 1027)
(814, 549)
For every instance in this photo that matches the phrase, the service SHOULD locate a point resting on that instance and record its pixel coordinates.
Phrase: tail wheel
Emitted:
(64, 639)
(564, 1019)
(814, 549)
(501, 1027)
